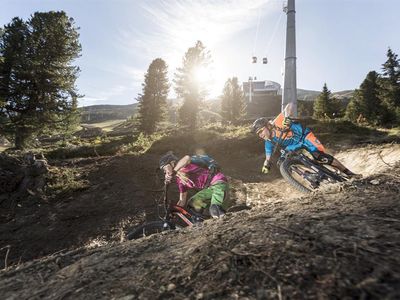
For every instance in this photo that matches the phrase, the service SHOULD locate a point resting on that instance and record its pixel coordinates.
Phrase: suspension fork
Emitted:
(281, 138)
(165, 205)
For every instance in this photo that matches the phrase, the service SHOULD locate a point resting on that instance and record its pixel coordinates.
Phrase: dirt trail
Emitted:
(344, 244)
(291, 245)
(364, 160)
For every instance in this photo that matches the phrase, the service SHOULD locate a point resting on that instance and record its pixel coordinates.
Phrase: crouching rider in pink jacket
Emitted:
(197, 173)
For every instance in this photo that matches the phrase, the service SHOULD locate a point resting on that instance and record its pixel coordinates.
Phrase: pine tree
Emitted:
(13, 77)
(226, 102)
(390, 87)
(232, 102)
(366, 102)
(305, 108)
(354, 110)
(187, 87)
(323, 104)
(238, 104)
(152, 102)
(37, 78)
(70, 122)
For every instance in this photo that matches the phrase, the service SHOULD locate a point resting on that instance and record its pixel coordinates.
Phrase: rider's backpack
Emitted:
(206, 162)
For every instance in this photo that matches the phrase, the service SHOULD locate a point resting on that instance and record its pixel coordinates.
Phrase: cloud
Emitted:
(181, 23)
(177, 24)
(135, 74)
(86, 101)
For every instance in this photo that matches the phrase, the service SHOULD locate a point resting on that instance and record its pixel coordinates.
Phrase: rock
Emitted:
(11, 174)
(375, 182)
(224, 268)
(171, 287)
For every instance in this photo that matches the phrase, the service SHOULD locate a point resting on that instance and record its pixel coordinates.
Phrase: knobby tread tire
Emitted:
(147, 229)
(285, 171)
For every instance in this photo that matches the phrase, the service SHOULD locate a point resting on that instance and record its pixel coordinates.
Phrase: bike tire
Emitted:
(147, 229)
(285, 171)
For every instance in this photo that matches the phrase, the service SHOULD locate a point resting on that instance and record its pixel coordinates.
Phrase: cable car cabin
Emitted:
(254, 59)
(265, 60)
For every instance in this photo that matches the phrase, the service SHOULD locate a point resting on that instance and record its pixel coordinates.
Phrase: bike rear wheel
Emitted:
(148, 228)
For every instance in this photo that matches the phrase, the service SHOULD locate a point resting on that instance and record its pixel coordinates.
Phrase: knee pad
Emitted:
(323, 157)
(196, 204)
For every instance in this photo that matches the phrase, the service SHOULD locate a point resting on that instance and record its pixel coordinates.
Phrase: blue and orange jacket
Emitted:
(296, 138)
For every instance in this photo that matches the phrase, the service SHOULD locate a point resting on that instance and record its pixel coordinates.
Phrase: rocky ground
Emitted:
(342, 242)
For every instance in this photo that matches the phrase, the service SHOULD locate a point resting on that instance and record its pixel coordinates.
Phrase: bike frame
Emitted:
(174, 212)
(323, 173)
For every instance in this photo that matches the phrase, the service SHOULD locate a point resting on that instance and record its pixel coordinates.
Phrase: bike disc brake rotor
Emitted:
(306, 176)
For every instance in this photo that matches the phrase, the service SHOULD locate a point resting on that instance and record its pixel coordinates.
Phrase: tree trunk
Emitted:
(21, 138)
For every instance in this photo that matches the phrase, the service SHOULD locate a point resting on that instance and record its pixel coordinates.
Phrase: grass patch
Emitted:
(339, 126)
(142, 144)
(228, 131)
(107, 126)
(211, 138)
(65, 180)
(105, 146)
(90, 148)
(392, 132)
(338, 132)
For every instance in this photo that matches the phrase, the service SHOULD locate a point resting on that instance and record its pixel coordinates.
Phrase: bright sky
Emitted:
(338, 42)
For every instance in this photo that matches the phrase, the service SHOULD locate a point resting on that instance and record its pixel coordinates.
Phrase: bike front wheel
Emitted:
(293, 171)
(148, 228)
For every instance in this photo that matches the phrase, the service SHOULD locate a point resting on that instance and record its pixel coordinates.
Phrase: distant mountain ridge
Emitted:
(105, 112)
(310, 95)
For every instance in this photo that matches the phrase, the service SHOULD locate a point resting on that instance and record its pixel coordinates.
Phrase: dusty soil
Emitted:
(118, 191)
(342, 242)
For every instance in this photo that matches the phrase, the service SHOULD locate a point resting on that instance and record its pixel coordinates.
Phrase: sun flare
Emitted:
(202, 75)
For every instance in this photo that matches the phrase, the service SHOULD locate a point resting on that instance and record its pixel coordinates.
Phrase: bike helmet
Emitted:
(259, 124)
(166, 159)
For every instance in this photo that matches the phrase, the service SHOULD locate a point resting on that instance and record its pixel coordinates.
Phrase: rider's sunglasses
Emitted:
(259, 131)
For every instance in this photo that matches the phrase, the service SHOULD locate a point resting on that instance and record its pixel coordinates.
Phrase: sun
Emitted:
(202, 75)
(209, 78)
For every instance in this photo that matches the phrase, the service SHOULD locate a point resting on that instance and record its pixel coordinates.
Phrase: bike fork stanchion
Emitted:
(166, 204)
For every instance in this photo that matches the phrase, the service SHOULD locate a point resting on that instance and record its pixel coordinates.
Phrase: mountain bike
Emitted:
(170, 217)
(302, 172)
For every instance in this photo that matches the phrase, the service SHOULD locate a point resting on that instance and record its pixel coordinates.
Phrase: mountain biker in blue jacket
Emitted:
(294, 137)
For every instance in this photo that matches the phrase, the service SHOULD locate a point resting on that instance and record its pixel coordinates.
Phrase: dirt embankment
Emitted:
(117, 191)
(341, 243)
